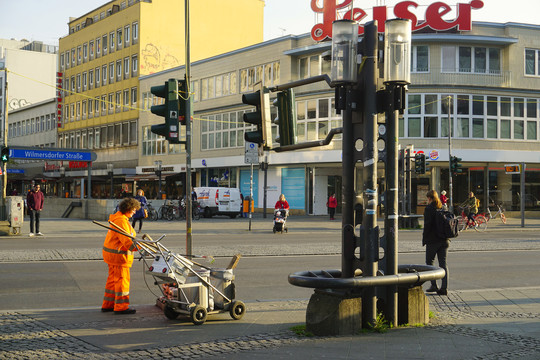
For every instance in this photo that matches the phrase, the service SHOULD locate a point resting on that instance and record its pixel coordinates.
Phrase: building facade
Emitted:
(109, 48)
(485, 80)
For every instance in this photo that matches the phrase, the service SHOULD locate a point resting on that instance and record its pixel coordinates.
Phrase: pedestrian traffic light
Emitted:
(455, 166)
(5, 154)
(420, 163)
(260, 117)
(286, 117)
(172, 109)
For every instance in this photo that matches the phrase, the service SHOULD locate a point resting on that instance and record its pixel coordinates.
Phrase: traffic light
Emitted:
(260, 117)
(173, 109)
(455, 166)
(5, 154)
(286, 117)
(420, 163)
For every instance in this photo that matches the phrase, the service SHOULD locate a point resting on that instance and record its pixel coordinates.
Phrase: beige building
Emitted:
(491, 75)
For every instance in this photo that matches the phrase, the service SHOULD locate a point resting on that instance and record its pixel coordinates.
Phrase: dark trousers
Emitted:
(34, 216)
(140, 223)
(332, 212)
(441, 250)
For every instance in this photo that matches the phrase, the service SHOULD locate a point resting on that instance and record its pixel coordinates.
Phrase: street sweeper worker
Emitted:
(118, 254)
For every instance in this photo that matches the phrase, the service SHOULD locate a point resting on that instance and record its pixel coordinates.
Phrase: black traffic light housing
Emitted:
(173, 109)
(4, 156)
(286, 117)
(260, 117)
(420, 163)
(455, 166)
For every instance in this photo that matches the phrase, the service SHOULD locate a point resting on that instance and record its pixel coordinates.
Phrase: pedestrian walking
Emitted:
(118, 254)
(282, 203)
(34, 201)
(142, 213)
(444, 200)
(435, 246)
(332, 205)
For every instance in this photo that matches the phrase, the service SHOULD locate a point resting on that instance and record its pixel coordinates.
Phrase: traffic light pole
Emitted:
(451, 197)
(188, 117)
(3, 212)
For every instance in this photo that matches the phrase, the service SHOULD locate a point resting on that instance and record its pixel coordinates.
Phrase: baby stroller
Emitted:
(280, 220)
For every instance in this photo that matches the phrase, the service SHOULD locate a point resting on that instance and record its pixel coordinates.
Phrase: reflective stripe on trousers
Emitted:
(117, 288)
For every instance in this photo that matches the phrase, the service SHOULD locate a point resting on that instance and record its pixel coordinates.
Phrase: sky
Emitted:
(46, 20)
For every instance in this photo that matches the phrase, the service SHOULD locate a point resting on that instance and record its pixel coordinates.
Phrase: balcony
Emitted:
(437, 77)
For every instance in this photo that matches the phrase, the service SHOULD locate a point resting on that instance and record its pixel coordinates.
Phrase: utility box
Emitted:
(15, 213)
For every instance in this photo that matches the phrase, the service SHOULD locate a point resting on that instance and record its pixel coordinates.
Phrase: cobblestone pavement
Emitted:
(24, 337)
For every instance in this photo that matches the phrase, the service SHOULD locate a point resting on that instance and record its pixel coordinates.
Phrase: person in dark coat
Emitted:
(435, 246)
(139, 215)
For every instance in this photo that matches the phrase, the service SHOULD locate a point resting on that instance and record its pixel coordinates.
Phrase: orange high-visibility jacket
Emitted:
(117, 248)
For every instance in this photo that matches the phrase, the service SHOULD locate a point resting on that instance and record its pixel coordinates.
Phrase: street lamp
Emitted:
(158, 173)
(110, 171)
(62, 175)
(344, 52)
(397, 50)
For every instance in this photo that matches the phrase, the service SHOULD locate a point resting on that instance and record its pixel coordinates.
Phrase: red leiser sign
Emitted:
(404, 10)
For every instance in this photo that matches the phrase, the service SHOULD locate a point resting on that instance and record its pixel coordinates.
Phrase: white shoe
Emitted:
(31, 234)
(39, 234)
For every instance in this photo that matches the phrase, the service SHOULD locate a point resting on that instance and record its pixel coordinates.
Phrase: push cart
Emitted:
(187, 287)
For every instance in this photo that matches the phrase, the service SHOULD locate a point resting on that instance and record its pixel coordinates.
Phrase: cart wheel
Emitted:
(274, 230)
(286, 230)
(198, 315)
(237, 310)
(15, 231)
(170, 313)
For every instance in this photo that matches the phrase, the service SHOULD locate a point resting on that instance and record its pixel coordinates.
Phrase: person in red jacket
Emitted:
(34, 201)
(282, 203)
(118, 254)
(332, 205)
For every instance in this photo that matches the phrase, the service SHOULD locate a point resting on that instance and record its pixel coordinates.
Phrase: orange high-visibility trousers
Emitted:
(117, 288)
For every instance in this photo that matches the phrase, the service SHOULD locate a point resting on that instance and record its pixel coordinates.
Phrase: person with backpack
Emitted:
(435, 244)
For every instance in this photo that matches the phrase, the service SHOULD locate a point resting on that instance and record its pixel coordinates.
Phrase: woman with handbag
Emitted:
(142, 213)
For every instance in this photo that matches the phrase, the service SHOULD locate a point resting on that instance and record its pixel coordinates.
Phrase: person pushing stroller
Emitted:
(281, 211)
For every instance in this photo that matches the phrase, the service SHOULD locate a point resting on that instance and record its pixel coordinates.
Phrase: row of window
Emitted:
(94, 78)
(32, 126)
(101, 137)
(108, 104)
(473, 116)
(107, 43)
(226, 130)
(153, 144)
(101, 16)
(225, 84)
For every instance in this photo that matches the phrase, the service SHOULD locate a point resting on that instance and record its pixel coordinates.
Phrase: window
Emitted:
(531, 63)
(79, 54)
(85, 51)
(98, 78)
(118, 70)
(133, 132)
(84, 81)
(127, 35)
(126, 68)
(98, 47)
(104, 74)
(420, 59)
(135, 65)
(62, 64)
(103, 103)
(91, 78)
(135, 32)
(84, 110)
(96, 106)
(471, 59)
(111, 103)
(117, 134)
(111, 73)
(134, 95)
(73, 57)
(126, 99)
(91, 46)
(104, 40)
(111, 41)
(119, 38)
(118, 100)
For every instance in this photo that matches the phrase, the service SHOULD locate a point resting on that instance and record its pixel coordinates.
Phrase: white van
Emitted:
(219, 201)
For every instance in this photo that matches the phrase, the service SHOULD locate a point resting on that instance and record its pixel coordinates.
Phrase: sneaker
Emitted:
(39, 234)
(31, 234)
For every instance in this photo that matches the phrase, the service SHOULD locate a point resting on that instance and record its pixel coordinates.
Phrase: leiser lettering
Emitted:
(433, 17)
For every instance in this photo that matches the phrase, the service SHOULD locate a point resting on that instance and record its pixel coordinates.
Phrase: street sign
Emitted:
(251, 153)
(512, 169)
(42, 154)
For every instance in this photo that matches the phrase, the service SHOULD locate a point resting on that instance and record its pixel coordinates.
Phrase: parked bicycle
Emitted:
(499, 212)
(152, 213)
(479, 224)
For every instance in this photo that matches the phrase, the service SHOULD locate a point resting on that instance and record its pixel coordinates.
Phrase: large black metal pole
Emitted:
(370, 235)
(391, 217)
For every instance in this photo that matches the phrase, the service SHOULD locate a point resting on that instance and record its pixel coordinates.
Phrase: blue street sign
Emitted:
(50, 155)
(15, 171)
